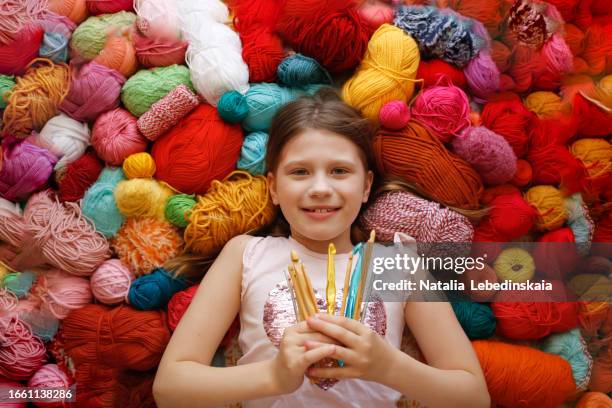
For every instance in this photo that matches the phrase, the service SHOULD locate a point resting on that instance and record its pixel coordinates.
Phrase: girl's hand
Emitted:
(293, 358)
(366, 355)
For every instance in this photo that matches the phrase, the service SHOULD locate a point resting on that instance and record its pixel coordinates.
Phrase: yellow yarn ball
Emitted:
(234, 206)
(596, 154)
(591, 287)
(387, 72)
(139, 165)
(514, 264)
(142, 198)
(4, 270)
(546, 104)
(549, 203)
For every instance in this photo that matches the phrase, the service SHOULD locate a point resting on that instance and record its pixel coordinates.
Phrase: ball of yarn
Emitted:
(376, 13)
(580, 222)
(99, 203)
(299, 70)
(394, 115)
(208, 231)
(22, 354)
(533, 320)
(573, 349)
(139, 165)
(62, 293)
(25, 168)
(148, 86)
(10, 206)
(591, 287)
(35, 97)
(233, 107)
(111, 282)
(75, 10)
(600, 376)
(431, 71)
(417, 156)
(200, 149)
(253, 153)
(13, 385)
(50, 376)
(115, 136)
(482, 76)
(523, 174)
(501, 55)
(514, 264)
(549, 203)
(387, 72)
(556, 254)
(89, 37)
(19, 283)
(509, 218)
(178, 304)
(160, 18)
(93, 90)
(444, 109)
(142, 198)
(178, 207)
(153, 291)
(476, 319)
(6, 84)
(489, 153)
(511, 120)
(521, 376)
(159, 52)
(17, 54)
(108, 6)
(594, 399)
(322, 32)
(119, 54)
(546, 104)
(596, 155)
(65, 137)
(478, 276)
(144, 244)
(55, 47)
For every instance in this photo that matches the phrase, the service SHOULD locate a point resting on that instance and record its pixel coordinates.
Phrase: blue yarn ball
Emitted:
(477, 320)
(232, 107)
(99, 203)
(42, 323)
(153, 291)
(19, 283)
(54, 47)
(253, 153)
(298, 70)
(571, 347)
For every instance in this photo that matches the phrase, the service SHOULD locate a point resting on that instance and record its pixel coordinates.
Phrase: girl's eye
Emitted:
(340, 170)
(299, 172)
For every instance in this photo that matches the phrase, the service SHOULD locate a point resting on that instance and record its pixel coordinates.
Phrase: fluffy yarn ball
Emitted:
(111, 282)
(253, 153)
(489, 153)
(99, 203)
(64, 137)
(144, 244)
(178, 207)
(115, 136)
(549, 203)
(142, 198)
(153, 291)
(394, 115)
(514, 264)
(139, 165)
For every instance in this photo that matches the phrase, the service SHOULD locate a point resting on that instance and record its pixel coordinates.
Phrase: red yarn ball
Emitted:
(510, 217)
(555, 254)
(431, 71)
(200, 149)
(512, 120)
(523, 174)
(78, 176)
(394, 115)
(109, 6)
(115, 136)
(262, 50)
(152, 52)
(16, 55)
(592, 120)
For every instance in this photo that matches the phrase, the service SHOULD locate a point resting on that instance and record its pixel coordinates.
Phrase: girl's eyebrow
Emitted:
(334, 162)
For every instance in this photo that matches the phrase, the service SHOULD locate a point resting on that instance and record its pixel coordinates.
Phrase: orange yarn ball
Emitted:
(523, 174)
(601, 376)
(76, 10)
(144, 244)
(119, 54)
(594, 400)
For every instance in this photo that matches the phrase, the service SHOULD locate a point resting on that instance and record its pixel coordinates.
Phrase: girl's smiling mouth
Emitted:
(320, 213)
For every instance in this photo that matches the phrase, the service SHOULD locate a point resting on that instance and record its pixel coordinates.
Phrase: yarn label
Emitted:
(15, 393)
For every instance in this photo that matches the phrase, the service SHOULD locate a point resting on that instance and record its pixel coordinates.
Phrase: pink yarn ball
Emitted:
(21, 354)
(115, 136)
(110, 283)
(557, 55)
(376, 13)
(50, 376)
(394, 115)
(444, 109)
(25, 168)
(93, 89)
(489, 153)
(62, 293)
(6, 385)
(482, 76)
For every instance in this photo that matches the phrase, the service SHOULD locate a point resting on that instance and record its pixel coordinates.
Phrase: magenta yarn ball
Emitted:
(483, 76)
(394, 115)
(110, 283)
(25, 168)
(50, 376)
(488, 153)
(115, 136)
(94, 89)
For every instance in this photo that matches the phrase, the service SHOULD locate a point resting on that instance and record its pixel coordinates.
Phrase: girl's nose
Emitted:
(320, 187)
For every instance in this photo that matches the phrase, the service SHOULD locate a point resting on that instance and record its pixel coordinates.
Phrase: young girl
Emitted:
(320, 173)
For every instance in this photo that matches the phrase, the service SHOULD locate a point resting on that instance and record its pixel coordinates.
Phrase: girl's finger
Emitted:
(346, 337)
(312, 356)
(318, 337)
(340, 353)
(337, 373)
(349, 324)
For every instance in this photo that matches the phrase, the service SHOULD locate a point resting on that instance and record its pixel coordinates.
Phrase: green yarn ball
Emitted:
(89, 37)
(148, 86)
(19, 283)
(233, 107)
(477, 320)
(177, 206)
(6, 84)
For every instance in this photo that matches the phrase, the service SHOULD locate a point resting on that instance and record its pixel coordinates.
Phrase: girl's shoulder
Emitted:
(258, 247)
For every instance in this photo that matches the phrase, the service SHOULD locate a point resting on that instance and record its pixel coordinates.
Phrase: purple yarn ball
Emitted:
(488, 153)
(482, 76)
(93, 90)
(25, 168)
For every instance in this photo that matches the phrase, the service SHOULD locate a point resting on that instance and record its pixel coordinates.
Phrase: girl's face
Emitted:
(320, 184)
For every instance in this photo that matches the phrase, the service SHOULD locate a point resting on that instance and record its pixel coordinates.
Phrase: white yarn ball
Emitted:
(110, 283)
(10, 206)
(196, 9)
(64, 137)
(160, 17)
